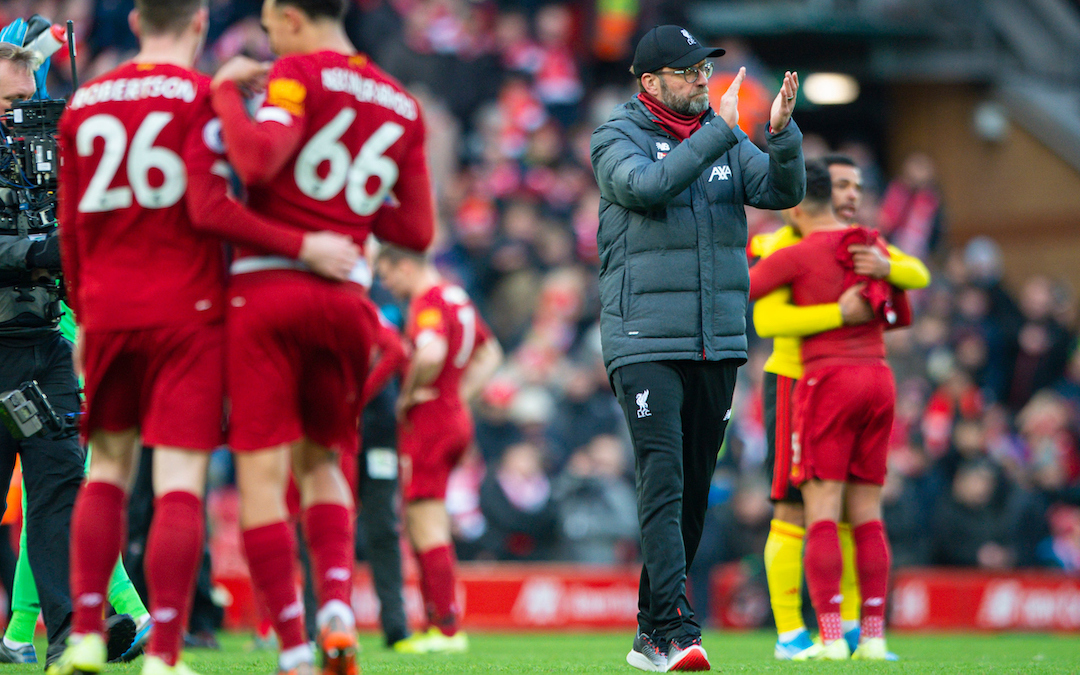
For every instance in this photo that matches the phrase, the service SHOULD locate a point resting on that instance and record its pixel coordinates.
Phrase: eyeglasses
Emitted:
(691, 74)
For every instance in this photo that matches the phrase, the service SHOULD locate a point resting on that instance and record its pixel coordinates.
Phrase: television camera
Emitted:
(29, 164)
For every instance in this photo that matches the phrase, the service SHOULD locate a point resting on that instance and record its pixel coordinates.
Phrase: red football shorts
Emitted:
(166, 381)
(843, 418)
(298, 350)
(431, 443)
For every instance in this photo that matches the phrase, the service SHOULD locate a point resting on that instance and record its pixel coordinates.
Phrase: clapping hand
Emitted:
(784, 103)
(728, 109)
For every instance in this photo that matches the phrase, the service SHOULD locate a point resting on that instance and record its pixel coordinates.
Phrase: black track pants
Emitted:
(677, 412)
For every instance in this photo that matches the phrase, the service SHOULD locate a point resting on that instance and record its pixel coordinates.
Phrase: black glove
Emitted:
(44, 254)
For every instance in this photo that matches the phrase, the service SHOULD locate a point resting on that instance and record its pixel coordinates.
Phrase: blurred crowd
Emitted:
(984, 466)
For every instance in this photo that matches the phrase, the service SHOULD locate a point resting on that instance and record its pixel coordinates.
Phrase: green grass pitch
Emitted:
(605, 652)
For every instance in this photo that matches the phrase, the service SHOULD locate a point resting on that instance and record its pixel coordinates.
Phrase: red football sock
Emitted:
(174, 550)
(824, 564)
(271, 555)
(872, 559)
(330, 536)
(98, 531)
(437, 586)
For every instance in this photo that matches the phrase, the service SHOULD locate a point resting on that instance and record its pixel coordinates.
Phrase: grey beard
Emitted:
(683, 105)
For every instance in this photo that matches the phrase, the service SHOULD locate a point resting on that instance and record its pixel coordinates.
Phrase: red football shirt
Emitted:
(445, 311)
(142, 196)
(338, 145)
(812, 269)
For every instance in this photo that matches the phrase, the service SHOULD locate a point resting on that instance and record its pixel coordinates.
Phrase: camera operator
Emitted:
(32, 348)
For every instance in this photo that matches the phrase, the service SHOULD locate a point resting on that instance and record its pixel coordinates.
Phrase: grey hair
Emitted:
(19, 56)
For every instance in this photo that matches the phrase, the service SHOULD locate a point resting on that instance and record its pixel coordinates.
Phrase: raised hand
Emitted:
(248, 74)
(728, 109)
(784, 103)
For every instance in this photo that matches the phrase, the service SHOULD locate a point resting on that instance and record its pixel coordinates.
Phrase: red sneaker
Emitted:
(687, 654)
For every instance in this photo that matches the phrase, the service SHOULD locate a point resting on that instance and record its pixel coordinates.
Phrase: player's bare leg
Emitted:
(97, 536)
(824, 563)
(872, 560)
(427, 524)
(328, 515)
(270, 545)
(790, 512)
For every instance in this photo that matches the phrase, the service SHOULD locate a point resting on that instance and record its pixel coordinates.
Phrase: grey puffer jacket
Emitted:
(674, 277)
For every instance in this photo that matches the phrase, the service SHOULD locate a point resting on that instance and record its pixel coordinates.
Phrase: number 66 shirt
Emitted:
(337, 145)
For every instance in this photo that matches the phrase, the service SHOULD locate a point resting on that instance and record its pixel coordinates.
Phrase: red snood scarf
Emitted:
(680, 126)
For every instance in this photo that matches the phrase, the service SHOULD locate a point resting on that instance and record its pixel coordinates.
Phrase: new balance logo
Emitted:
(96, 599)
(165, 614)
(292, 611)
(661, 145)
(338, 574)
(643, 404)
(721, 172)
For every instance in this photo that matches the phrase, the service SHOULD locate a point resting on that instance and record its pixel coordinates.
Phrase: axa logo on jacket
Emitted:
(721, 172)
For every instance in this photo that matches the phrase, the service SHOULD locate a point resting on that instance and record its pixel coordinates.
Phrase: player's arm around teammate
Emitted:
(147, 285)
(776, 316)
(299, 348)
(838, 459)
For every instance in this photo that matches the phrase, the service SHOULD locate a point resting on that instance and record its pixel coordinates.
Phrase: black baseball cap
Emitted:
(670, 46)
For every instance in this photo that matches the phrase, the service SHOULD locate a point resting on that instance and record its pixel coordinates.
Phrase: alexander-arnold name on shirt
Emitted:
(135, 89)
(369, 91)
